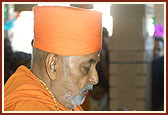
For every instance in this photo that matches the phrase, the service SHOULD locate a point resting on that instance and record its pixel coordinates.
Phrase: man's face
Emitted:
(77, 77)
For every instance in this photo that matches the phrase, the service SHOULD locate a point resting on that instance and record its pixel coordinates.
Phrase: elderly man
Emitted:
(66, 50)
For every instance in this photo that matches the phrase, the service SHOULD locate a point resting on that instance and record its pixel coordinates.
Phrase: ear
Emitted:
(50, 62)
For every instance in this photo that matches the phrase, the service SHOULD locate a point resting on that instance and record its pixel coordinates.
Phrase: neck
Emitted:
(41, 75)
(57, 90)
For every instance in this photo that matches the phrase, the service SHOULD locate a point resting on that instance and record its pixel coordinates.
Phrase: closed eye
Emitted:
(86, 69)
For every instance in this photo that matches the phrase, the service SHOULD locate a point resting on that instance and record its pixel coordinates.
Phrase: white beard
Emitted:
(78, 99)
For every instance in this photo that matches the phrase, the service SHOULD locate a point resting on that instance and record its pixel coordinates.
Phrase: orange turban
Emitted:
(67, 31)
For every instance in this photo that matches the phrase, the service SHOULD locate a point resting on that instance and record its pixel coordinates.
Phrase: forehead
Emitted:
(85, 58)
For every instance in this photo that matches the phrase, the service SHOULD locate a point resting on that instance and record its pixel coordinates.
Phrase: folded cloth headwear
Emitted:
(67, 31)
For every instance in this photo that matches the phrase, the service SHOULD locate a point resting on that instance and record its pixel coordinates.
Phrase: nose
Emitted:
(94, 79)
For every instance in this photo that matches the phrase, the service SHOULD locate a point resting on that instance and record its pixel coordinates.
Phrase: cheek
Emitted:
(75, 80)
(83, 81)
(71, 84)
(79, 81)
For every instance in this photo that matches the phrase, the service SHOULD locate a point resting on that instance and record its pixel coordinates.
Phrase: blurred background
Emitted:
(131, 70)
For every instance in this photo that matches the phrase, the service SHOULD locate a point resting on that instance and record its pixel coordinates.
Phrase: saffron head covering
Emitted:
(67, 31)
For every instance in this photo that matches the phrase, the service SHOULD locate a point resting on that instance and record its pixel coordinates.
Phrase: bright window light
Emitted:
(23, 32)
(107, 20)
(150, 27)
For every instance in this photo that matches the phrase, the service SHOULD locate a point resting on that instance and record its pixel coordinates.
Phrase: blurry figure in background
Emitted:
(158, 47)
(12, 60)
(158, 71)
(8, 60)
(99, 95)
(158, 84)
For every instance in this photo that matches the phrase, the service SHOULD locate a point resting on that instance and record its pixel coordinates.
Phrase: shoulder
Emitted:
(30, 105)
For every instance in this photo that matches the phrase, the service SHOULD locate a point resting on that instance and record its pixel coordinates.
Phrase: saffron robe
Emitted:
(24, 92)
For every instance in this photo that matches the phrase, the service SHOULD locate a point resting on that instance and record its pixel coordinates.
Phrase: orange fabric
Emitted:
(67, 31)
(86, 105)
(24, 92)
